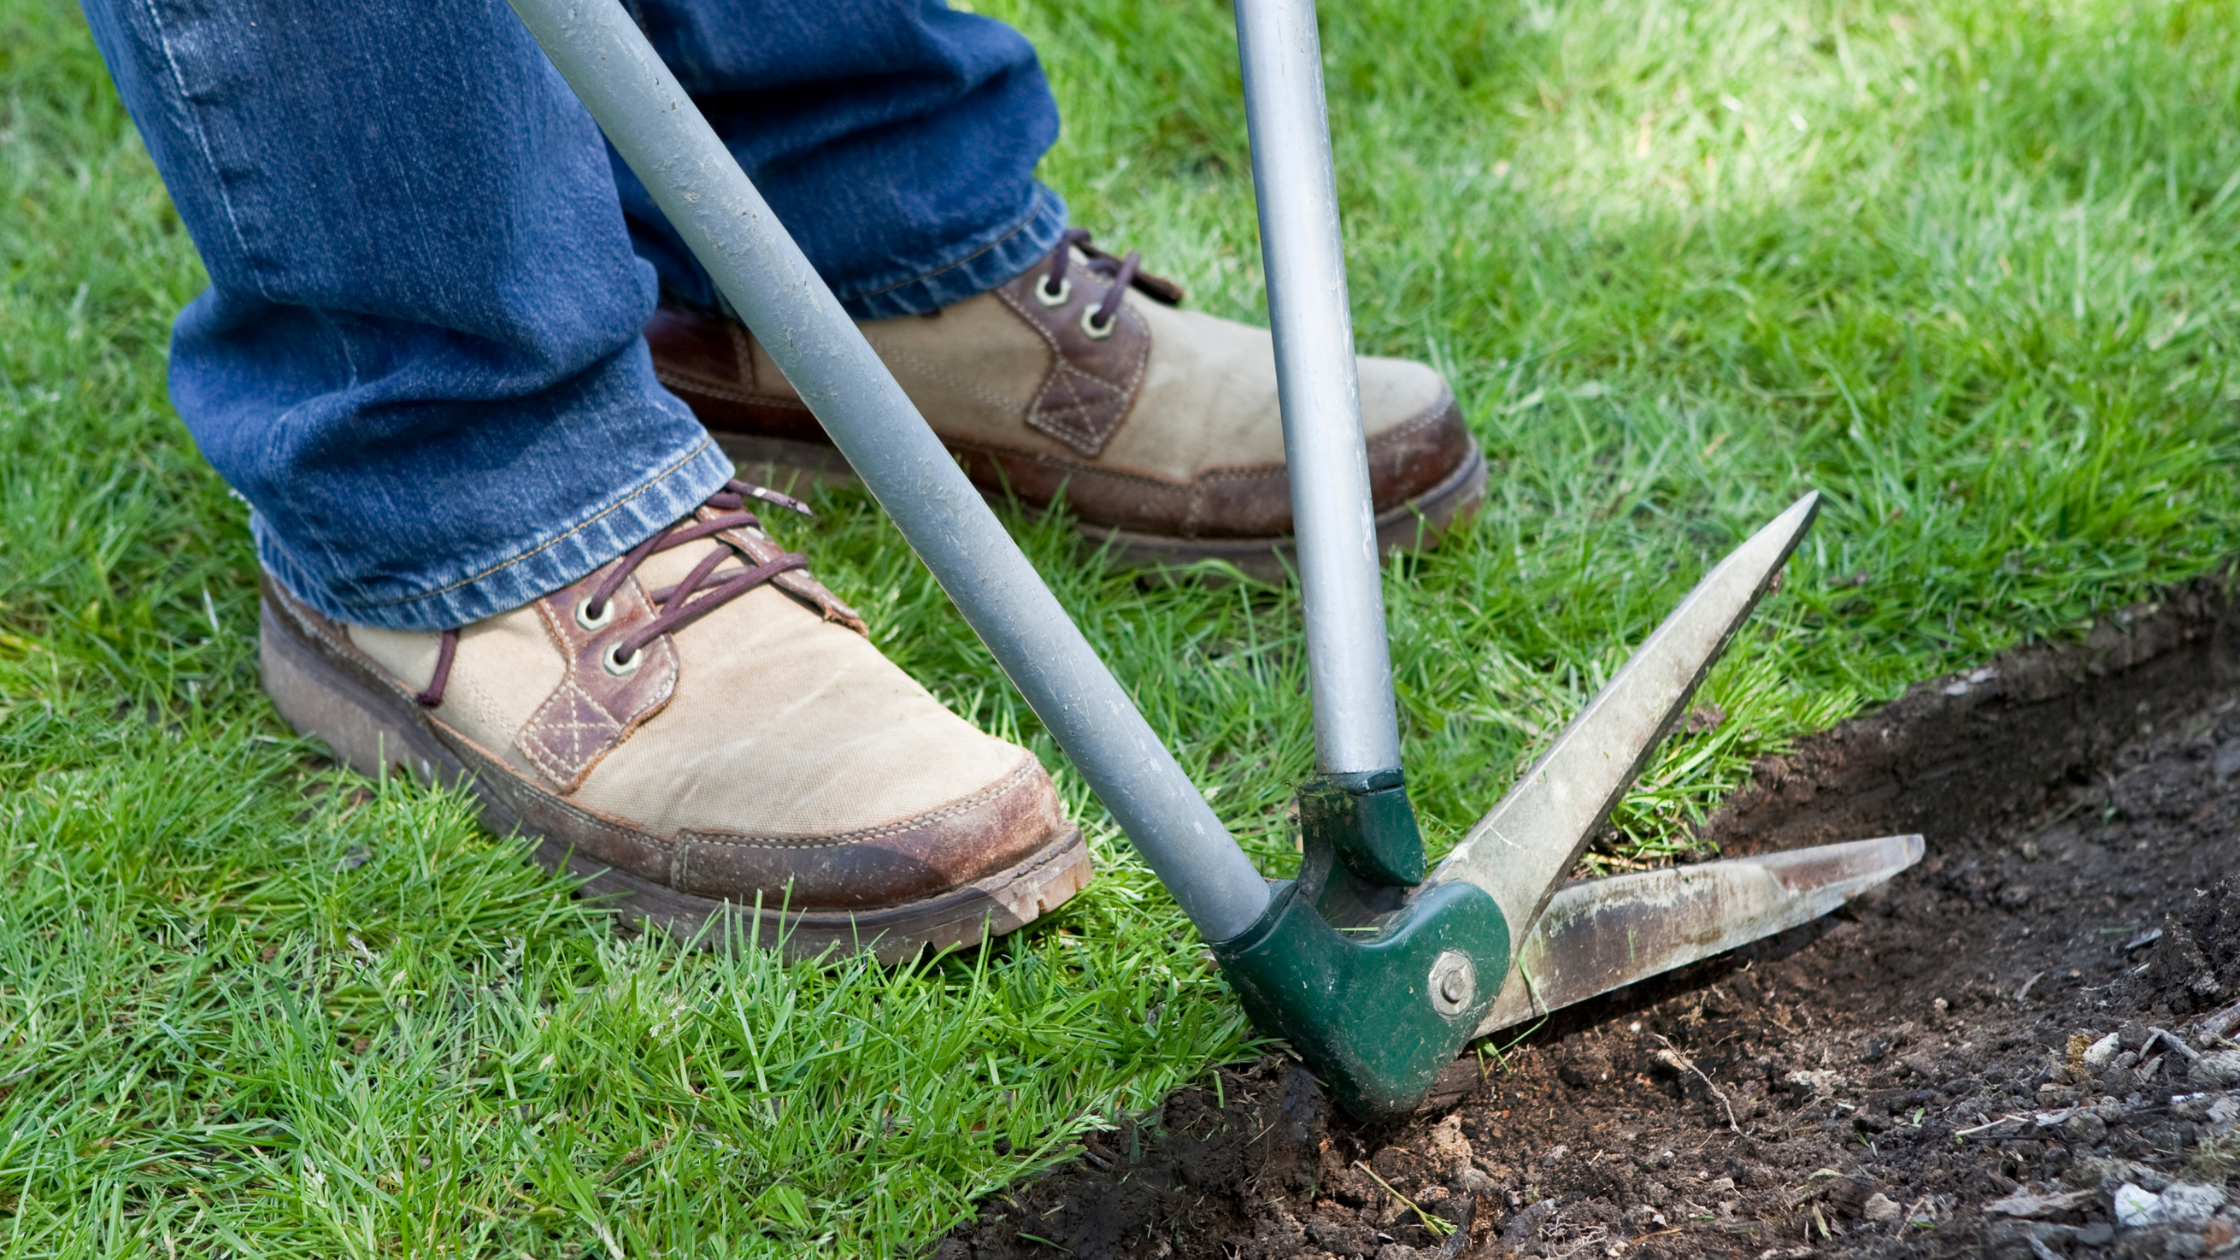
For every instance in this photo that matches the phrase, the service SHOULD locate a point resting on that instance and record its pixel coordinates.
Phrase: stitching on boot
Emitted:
(1241, 472)
(571, 728)
(1068, 405)
(685, 382)
(1424, 419)
(1083, 437)
(1093, 439)
(1073, 469)
(1025, 768)
(742, 353)
(572, 732)
(973, 389)
(506, 781)
(488, 769)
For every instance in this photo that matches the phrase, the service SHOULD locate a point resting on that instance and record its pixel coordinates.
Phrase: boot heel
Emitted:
(326, 704)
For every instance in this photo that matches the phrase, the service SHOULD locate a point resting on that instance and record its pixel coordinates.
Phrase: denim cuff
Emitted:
(974, 266)
(480, 587)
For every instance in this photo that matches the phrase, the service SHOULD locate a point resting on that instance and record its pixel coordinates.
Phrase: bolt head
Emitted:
(1454, 982)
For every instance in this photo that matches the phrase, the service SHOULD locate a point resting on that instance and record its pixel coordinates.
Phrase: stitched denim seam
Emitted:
(643, 488)
(191, 113)
(1034, 211)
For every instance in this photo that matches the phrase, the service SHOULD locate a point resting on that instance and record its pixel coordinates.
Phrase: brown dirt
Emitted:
(1926, 1073)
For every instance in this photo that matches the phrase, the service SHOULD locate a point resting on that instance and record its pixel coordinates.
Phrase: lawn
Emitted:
(1966, 266)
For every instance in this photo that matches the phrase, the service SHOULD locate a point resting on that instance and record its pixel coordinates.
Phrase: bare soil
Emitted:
(2017, 1049)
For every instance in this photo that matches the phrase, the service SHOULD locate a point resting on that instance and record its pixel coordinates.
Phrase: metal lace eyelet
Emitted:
(615, 665)
(591, 621)
(1097, 331)
(1048, 296)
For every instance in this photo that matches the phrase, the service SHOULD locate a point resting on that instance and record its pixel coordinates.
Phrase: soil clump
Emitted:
(2020, 1048)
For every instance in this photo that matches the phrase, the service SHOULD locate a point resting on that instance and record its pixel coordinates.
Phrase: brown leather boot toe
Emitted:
(703, 730)
(1160, 426)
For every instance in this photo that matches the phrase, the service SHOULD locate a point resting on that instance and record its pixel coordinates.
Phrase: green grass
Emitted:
(1966, 266)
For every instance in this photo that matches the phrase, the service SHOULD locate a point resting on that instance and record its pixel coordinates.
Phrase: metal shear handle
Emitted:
(1376, 1013)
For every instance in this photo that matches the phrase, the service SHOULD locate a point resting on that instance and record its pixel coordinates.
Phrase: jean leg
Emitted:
(896, 140)
(418, 358)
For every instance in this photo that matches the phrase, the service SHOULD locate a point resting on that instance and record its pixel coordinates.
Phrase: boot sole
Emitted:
(367, 732)
(1416, 524)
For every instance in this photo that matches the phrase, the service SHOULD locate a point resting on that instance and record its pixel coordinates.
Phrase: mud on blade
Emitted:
(1604, 934)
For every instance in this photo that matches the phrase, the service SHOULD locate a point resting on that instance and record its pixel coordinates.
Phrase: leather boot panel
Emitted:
(1242, 503)
(1410, 458)
(907, 860)
(596, 706)
(701, 347)
(728, 411)
(1092, 492)
(715, 366)
(1093, 379)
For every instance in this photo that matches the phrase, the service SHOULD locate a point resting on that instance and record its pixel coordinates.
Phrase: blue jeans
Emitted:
(419, 356)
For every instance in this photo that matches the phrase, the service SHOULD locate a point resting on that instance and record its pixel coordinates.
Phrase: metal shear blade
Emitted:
(1606, 933)
(1524, 846)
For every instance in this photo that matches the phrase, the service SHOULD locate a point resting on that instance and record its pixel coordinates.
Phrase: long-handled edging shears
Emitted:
(1376, 970)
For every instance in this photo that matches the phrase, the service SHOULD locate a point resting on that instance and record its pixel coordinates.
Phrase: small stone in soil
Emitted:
(1447, 1147)
(2135, 1206)
(2026, 1206)
(2227, 761)
(1525, 1226)
(2184, 1204)
(2215, 1070)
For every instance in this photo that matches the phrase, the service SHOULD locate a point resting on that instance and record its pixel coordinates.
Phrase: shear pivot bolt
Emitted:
(1454, 981)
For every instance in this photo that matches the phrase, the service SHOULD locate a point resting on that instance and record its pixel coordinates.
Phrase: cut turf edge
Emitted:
(1245, 1166)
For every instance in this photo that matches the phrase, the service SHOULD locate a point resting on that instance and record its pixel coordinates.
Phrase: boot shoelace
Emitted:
(702, 591)
(1099, 320)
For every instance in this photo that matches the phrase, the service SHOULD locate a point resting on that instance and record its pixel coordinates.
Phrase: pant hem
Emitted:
(983, 264)
(546, 565)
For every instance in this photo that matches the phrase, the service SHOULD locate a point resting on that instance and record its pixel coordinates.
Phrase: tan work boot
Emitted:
(1159, 425)
(698, 727)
